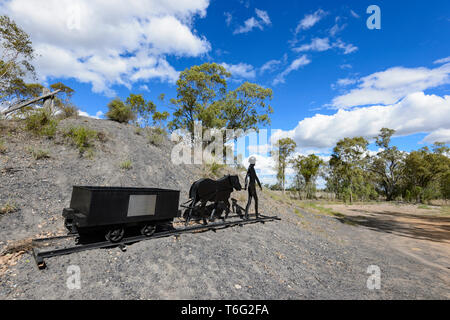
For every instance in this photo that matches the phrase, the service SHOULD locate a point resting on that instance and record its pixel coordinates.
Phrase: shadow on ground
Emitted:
(430, 228)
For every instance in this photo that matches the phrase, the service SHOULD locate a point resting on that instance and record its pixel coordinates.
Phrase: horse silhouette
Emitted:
(216, 191)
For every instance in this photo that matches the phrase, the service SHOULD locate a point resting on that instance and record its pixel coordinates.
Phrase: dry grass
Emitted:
(12, 253)
(14, 250)
(24, 245)
(156, 136)
(445, 209)
(126, 165)
(3, 148)
(212, 170)
(39, 154)
(9, 207)
(9, 260)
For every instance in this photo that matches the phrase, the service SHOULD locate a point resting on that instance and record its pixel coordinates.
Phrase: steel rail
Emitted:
(39, 256)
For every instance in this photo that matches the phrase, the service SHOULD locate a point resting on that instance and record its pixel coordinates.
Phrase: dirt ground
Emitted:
(415, 230)
(306, 255)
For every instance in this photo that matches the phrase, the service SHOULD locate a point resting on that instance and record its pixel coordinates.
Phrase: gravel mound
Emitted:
(303, 256)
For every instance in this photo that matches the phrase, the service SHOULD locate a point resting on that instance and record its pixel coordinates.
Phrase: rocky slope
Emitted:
(304, 256)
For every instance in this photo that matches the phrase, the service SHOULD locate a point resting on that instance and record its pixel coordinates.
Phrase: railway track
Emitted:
(40, 256)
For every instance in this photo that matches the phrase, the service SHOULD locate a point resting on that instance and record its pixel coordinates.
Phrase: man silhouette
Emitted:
(251, 175)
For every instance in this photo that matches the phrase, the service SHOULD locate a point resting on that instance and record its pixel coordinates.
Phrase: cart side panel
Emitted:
(132, 206)
(81, 200)
(108, 207)
(167, 205)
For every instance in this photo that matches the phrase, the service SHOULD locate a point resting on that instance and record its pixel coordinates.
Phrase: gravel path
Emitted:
(303, 256)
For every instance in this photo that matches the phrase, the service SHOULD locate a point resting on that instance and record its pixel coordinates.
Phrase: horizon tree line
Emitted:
(355, 174)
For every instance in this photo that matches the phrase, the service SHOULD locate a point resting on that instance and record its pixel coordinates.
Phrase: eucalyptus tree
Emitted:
(141, 108)
(388, 165)
(347, 167)
(17, 54)
(247, 108)
(425, 173)
(307, 170)
(282, 152)
(200, 94)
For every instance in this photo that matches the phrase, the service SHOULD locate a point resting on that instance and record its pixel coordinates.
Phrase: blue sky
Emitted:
(332, 77)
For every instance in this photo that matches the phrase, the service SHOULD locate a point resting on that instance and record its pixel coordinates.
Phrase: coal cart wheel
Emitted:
(115, 234)
(148, 230)
(68, 223)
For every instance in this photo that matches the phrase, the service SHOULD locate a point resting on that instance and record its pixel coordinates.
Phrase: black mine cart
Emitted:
(113, 210)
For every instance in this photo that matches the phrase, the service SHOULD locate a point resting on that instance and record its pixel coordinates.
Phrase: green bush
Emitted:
(120, 112)
(9, 207)
(68, 110)
(3, 148)
(213, 169)
(138, 131)
(42, 123)
(156, 136)
(126, 165)
(82, 137)
(39, 154)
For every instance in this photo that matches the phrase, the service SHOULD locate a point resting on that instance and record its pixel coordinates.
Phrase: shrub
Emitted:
(101, 137)
(39, 154)
(68, 110)
(90, 154)
(138, 131)
(126, 165)
(120, 112)
(3, 148)
(42, 123)
(9, 207)
(212, 169)
(82, 137)
(156, 136)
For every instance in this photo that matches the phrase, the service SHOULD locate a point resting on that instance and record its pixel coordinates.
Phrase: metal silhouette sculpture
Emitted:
(250, 180)
(208, 190)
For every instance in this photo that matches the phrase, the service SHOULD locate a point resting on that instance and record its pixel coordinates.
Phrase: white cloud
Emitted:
(264, 164)
(259, 22)
(443, 60)
(323, 44)
(391, 85)
(317, 44)
(346, 47)
(228, 18)
(269, 65)
(85, 114)
(310, 20)
(248, 26)
(264, 16)
(260, 149)
(144, 87)
(346, 66)
(345, 82)
(336, 29)
(108, 43)
(416, 113)
(354, 14)
(440, 135)
(241, 70)
(295, 65)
